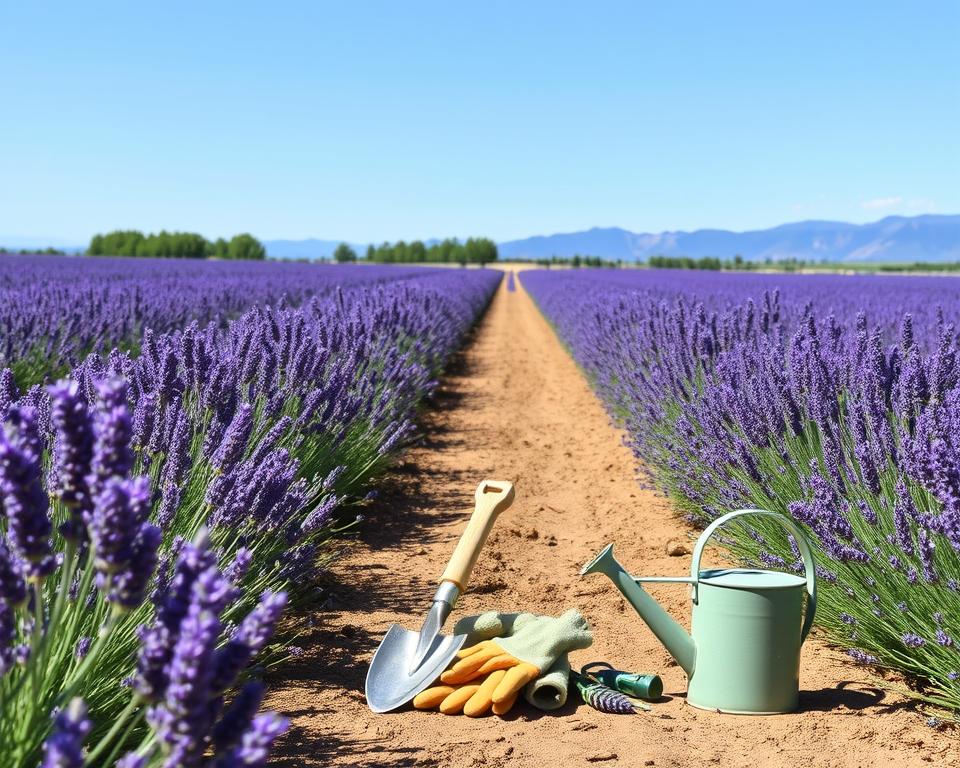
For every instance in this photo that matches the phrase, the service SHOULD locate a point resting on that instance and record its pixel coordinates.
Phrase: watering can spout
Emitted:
(674, 637)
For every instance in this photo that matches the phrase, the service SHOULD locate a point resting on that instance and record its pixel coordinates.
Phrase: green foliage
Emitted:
(739, 264)
(219, 249)
(921, 266)
(344, 254)
(49, 251)
(174, 245)
(122, 242)
(246, 246)
(475, 250)
(685, 262)
(576, 261)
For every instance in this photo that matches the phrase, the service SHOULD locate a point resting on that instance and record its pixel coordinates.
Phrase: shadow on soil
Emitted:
(403, 516)
(847, 695)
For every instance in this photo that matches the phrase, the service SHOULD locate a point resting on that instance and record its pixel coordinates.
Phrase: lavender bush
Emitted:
(56, 310)
(835, 400)
(77, 559)
(206, 472)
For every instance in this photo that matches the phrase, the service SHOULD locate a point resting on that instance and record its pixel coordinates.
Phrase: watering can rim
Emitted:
(750, 579)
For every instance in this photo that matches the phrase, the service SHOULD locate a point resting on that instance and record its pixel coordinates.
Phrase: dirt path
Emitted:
(516, 407)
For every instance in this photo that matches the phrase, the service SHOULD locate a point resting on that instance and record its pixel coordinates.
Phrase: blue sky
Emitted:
(385, 120)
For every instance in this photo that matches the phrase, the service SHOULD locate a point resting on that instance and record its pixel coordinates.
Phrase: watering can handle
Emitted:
(802, 544)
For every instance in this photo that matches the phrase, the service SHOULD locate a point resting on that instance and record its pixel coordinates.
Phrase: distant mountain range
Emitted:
(895, 238)
(932, 238)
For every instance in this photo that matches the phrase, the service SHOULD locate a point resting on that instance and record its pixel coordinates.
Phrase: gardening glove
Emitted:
(489, 625)
(549, 691)
(473, 699)
(526, 655)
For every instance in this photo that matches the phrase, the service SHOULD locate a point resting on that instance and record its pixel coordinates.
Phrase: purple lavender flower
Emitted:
(73, 453)
(861, 657)
(8, 392)
(912, 640)
(121, 508)
(235, 439)
(83, 647)
(237, 716)
(13, 590)
(113, 433)
(128, 586)
(903, 512)
(25, 501)
(64, 746)
(182, 720)
(255, 745)
(238, 568)
(144, 419)
(178, 457)
(944, 639)
(157, 640)
(124, 542)
(330, 481)
(320, 516)
(248, 639)
(926, 547)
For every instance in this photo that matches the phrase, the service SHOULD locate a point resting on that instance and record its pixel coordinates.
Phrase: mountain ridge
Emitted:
(927, 237)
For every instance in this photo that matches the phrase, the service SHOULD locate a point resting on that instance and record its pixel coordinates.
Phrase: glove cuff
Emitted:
(550, 691)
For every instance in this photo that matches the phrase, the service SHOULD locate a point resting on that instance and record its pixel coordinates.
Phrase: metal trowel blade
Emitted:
(390, 683)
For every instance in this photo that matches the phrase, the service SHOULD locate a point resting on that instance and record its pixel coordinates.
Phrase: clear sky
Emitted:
(384, 120)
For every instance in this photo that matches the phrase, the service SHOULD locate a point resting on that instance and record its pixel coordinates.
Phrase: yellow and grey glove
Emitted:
(536, 644)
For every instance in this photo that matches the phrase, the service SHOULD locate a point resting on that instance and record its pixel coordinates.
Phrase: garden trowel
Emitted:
(408, 662)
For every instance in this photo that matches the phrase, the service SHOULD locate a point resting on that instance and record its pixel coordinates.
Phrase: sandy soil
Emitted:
(516, 407)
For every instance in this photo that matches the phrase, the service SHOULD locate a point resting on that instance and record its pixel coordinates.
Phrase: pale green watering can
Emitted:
(748, 626)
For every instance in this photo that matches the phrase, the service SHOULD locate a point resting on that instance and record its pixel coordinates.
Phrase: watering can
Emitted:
(748, 625)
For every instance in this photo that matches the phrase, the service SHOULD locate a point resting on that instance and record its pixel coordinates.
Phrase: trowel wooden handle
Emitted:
(492, 497)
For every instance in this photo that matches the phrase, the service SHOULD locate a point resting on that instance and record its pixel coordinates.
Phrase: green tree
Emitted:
(344, 254)
(416, 252)
(246, 246)
(219, 249)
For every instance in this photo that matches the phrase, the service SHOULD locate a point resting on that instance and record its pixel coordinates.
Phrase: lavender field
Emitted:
(830, 398)
(56, 310)
(180, 442)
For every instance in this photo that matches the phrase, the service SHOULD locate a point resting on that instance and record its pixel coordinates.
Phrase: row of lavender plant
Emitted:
(56, 310)
(160, 510)
(825, 400)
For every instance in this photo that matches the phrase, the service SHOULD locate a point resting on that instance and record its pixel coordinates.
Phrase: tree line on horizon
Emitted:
(48, 251)
(175, 245)
(473, 250)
